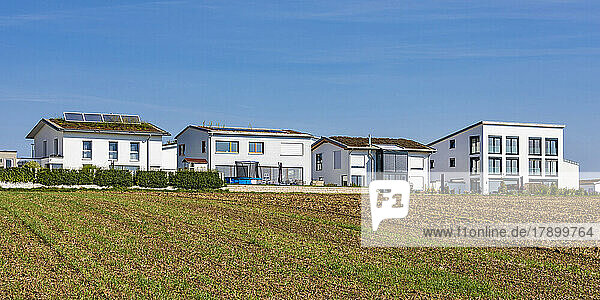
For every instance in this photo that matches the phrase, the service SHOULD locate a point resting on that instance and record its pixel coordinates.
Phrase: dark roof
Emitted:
(363, 142)
(242, 130)
(127, 128)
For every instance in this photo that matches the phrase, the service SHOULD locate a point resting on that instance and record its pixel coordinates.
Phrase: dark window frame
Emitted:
(471, 160)
(319, 161)
(471, 139)
(546, 167)
(509, 138)
(507, 164)
(452, 144)
(540, 166)
(498, 159)
(530, 147)
(495, 137)
(452, 162)
(546, 140)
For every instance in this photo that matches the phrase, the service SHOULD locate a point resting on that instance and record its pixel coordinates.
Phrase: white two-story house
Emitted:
(357, 161)
(102, 140)
(480, 157)
(270, 156)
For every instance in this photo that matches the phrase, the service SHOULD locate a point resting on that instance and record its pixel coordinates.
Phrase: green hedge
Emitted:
(151, 179)
(17, 175)
(114, 178)
(196, 180)
(64, 177)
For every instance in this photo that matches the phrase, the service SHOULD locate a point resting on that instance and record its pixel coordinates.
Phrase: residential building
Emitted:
(103, 140)
(343, 161)
(480, 157)
(271, 156)
(590, 185)
(8, 158)
(169, 156)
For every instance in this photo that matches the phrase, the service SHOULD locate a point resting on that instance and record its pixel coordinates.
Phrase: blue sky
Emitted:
(414, 69)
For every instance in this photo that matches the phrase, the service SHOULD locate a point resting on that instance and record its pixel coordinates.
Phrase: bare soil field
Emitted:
(173, 244)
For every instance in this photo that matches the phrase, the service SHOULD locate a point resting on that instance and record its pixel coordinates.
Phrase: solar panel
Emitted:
(130, 118)
(112, 118)
(93, 117)
(73, 116)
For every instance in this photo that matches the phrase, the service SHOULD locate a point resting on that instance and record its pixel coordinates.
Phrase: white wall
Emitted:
(328, 173)
(169, 157)
(568, 175)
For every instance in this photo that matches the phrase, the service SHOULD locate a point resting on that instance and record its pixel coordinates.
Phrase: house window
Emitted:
(431, 164)
(256, 148)
(512, 166)
(181, 150)
(45, 148)
(495, 165)
(552, 147)
(344, 180)
(227, 147)
(551, 167)
(113, 150)
(134, 153)
(87, 150)
(452, 162)
(512, 145)
(475, 165)
(535, 166)
(535, 146)
(452, 144)
(55, 146)
(357, 180)
(319, 161)
(9, 163)
(475, 145)
(337, 160)
(203, 146)
(495, 145)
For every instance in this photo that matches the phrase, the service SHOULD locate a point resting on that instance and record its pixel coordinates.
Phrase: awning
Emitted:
(196, 160)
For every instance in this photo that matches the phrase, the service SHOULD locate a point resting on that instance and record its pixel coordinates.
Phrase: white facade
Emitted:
(58, 147)
(169, 157)
(591, 186)
(339, 164)
(283, 157)
(8, 159)
(502, 154)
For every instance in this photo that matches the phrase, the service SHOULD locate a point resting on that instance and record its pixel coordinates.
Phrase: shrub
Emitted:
(17, 175)
(32, 165)
(152, 179)
(196, 180)
(64, 177)
(114, 178)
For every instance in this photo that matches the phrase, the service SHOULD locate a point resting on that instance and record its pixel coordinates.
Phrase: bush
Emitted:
(64, 177)
(17, 175)
(196, 180)
(32, 165)
(152, 179)
(114, 178)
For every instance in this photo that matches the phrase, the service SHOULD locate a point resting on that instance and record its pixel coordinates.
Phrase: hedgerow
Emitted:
(17, 175)
(114, 178)
(191, 180)
(151, 179)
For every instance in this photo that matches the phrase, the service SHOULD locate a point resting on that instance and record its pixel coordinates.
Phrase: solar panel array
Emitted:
(97, 117)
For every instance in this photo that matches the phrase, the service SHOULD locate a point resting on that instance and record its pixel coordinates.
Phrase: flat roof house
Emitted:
(271, 156)
(103, 140)
(343, 161)
(8, 158)
(480, 157)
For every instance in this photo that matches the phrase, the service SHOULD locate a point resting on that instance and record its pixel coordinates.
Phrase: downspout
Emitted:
(148, 152)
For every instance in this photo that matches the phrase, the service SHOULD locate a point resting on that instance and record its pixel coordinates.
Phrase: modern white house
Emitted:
(590, 185)
(480, 157)
(169, 156)
(103, 140)
(270, 156)
(8, 159)
(344, 161)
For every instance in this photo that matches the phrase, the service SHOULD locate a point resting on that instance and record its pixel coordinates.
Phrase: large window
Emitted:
(337, 160)
(535, 166)
(113, 150)
(87, 150)
(535, 146)
(475, 165)
(357, 180)
(552, 147)
(551, 167)
(134, 154)
(495, 165)
(255, 148)
(495, 145)
(319, 161)
(227, 147)
(475, 145)
(512, 145)
(512, 166)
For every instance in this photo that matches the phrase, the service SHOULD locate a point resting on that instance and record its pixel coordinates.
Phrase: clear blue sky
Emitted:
(416, 69)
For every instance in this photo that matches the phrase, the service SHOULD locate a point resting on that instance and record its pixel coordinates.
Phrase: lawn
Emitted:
(173, 244)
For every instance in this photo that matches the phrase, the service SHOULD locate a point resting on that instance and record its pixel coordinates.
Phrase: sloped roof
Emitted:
(105, 127)
(248, 131)
(363, 142)
(589, 181)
